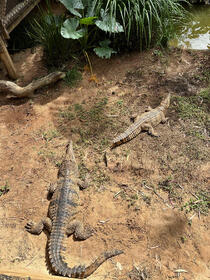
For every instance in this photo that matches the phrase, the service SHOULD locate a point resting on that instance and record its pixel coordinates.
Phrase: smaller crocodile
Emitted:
(144, 122)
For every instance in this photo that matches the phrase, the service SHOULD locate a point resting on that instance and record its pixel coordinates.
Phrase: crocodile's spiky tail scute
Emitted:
(61, 268)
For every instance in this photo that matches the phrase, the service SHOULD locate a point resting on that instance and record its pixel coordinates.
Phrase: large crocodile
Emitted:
(144, 122)
(61, 220)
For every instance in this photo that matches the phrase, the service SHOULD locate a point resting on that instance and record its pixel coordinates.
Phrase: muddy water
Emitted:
(195, 32)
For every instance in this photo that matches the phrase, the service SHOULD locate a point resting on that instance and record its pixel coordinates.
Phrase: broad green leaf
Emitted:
(68, 30)
(104, 51)
(87, 20)
(108, 24)
(73, 6)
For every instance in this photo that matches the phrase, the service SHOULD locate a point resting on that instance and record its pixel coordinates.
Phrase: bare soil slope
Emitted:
(135, 202)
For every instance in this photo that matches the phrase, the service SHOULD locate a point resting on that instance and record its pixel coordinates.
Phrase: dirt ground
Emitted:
(138, 202)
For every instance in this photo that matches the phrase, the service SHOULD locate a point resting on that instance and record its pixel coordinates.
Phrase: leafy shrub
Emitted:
(104, 26)
(88, 18)
(132, 23)
(45, 30)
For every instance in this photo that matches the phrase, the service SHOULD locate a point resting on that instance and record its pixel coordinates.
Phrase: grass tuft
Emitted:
(93, 120)
(4, 189)
(200, 204)
(192, 107)
(72, 77)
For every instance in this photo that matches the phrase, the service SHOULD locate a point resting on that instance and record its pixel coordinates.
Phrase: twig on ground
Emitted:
(116, 194)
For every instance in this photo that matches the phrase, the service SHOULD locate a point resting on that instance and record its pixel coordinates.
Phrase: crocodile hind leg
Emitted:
(37, 228)
(163, 118)
(150, 129)
(77, 229)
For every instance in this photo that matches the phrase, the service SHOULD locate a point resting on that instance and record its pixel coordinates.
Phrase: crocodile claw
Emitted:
(33, 228)
(29, 226)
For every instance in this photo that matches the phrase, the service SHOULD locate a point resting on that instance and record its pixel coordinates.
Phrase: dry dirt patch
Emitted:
(134, 203)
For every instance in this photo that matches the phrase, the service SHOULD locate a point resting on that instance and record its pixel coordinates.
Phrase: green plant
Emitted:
(169, 186)
(45, 153)
(67, 114)
(146, 21)
(4, 189)
(199, 204)
(189, 108)
(205, 95)
(87, 17)
(45, 30)
(91, 119)
(72, 77)
(50, 134)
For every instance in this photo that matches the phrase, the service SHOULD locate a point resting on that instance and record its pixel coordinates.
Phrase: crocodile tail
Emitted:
(101, 259)
(166, 102)
(130, 133)
(60, 267)
(55, 248)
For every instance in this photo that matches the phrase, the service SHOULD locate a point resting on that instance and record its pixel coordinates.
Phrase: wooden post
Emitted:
(3, 5)
(5, 57)
(21, 16)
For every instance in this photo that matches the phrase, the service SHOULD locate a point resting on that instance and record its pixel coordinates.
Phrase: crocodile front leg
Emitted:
(77, 229)
(150, 129)
(148, 108)
(37, 228)
(51, 190)
(82, 184)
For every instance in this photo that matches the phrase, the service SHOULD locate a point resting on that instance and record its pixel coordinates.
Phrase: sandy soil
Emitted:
(132, 204)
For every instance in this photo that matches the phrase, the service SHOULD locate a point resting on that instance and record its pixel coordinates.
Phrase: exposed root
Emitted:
(13, 90)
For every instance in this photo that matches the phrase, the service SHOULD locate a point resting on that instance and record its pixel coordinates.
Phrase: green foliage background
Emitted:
(106, 27)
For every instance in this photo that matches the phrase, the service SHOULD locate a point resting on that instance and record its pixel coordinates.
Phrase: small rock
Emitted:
(119, 266)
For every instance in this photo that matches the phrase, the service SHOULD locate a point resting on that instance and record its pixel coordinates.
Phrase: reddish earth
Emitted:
(125, 203)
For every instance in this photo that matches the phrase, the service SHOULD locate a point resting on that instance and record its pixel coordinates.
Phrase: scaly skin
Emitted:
(145, 122)
(61, 220)
(6, 277)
